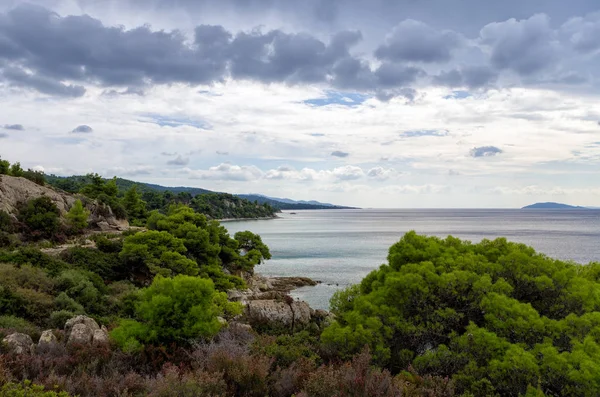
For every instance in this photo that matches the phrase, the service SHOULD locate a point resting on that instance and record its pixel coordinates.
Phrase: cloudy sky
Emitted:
(380, 103)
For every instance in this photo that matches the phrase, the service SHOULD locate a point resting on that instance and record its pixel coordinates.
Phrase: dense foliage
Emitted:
(77, 217)
(40, 217)
(175, 310)
(497, 317)
(137, 200)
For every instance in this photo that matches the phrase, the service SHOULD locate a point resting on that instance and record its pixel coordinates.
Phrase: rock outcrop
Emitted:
(15, 191)
(268, 305)
(278, 314)
(100, 337)
(47, 340)
(19, 343)
(80, 334)
(85, 330)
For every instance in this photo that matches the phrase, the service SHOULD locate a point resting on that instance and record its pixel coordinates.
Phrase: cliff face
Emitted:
(15, 191)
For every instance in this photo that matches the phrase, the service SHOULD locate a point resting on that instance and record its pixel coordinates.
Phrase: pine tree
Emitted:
(77, 217)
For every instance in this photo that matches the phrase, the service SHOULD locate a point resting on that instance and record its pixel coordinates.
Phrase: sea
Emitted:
(339, 247)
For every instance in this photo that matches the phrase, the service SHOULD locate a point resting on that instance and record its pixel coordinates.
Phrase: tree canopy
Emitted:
(495, 316)
(175, 309)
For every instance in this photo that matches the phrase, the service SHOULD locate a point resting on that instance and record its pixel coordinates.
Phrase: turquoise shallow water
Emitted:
(339, 247)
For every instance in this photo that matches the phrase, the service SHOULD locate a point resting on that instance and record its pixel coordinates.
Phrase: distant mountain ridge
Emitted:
(74, 183)
(288, 204)
(552, 205)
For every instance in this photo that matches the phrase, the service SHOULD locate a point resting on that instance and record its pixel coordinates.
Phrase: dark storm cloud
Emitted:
(17, 77)
(470, 76)
(525, 46)
(82, 129)
(415, 41)
(485, 151)
(15, 127)
(338, 153)
(57, 55)
(54, 49)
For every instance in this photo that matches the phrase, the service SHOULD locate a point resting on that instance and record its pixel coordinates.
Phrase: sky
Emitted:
(379, 104)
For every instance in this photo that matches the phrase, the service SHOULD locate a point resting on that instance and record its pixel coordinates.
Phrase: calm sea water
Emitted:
(339, 247)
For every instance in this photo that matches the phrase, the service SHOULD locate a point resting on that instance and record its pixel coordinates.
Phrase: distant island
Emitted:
(551, 206)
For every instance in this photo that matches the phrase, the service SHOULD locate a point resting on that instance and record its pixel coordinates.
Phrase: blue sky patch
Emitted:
(458, 95)
(166, 121)
(338, 98)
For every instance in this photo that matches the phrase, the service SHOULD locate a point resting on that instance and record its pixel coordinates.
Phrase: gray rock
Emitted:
(104, 226)
(234, 295)
(19, 343)
(323, 318)
(100, 337)
(47, 339)
(89, 322)
(295, 315)
(241, 327)
(81, 334)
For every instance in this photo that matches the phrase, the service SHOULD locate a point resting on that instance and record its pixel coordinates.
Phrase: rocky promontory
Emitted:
(268, 305)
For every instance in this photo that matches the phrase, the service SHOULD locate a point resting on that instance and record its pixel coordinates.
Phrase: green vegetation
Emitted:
(27, 389)
(77, 217)
(497, 317)
(15, 170)
(443, 317)
(175, 310)
(135, 200)
(40, 217)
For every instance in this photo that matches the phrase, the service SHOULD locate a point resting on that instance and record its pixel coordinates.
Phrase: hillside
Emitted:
(287, 204)
(184, 194)
(551, 206)
(212, 204)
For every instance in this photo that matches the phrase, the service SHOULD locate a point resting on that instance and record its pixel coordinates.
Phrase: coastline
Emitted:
(263, 218)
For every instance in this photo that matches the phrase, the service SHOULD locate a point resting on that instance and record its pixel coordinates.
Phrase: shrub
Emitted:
(495, 316)
(27, 389)
(176, 310)
(77, 217)
(41, 218)
(16, 170)
(17, 324)
(34, 257)
(6, 222)
(4, 167)
(106, 265)
(59, 318)
(174, 382)
(36, 177)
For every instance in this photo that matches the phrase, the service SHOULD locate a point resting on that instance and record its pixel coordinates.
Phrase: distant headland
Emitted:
(550, 205)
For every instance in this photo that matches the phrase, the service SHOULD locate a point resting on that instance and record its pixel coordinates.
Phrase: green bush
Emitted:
(6, 222)
(495, 316)
(41, 218)
(59, 318)
(77, 217)
(34, 257)
(178, 310)
(17, 324)
(106, 265)
(153, 252)
(27, 389)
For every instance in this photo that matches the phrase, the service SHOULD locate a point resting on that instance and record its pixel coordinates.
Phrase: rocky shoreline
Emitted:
(267, 304)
